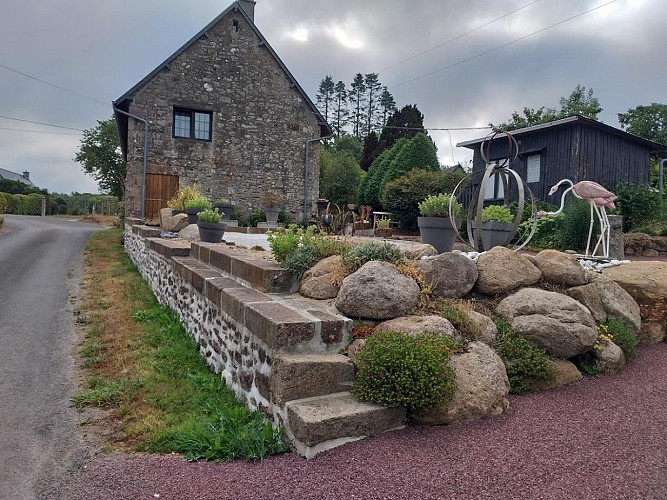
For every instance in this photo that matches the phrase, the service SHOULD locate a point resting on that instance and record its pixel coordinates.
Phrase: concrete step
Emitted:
(304, 375)
(323, 422)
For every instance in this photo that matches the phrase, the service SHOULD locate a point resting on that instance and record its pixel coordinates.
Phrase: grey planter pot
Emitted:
(438, 232)
(272, 214)
(494, 233)
(211, 233)
(225, 210)
(192, 214)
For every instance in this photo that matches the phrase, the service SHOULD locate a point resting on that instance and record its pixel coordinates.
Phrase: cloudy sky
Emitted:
(532, 57)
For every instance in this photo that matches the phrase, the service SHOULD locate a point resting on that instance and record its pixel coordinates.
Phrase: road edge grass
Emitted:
(143, 368)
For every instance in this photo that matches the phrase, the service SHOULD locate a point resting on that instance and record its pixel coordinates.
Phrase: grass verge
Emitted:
(142, 366)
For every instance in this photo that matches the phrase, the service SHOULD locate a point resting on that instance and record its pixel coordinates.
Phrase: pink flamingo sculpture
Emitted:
(599, 199)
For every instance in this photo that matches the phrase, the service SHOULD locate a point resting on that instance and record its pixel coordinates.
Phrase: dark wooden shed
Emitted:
(575, 148)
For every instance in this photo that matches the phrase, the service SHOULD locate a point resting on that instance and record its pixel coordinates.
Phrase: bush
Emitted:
(548, 232)
(285, 241)
(209, 216)
(199, 203)
(419, 152)
(301, 259)
(438, 206)
(527, 365)
(622, 335)
(498, 213)
(396, 369)
(576, 221)
(387, 252)
(369, 191)
(403, 195)
(637, 204)
(340, 177)
(184, 194)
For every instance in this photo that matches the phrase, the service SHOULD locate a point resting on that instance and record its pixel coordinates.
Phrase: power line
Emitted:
(501, 46)
(436, 128)
(457, 37)
(40, 123)
(38, 131)
(73, 92)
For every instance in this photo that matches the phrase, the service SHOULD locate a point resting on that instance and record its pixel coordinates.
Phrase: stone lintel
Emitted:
(234, 301)
(168, 248)
(146, 231)
(215, 286)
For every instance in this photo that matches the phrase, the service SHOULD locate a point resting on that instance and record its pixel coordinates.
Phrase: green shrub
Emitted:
(370, 188)
(209, 216)
(285, 241)
(419, 152)
(184, 194)
(577, 219)
(198, 202)
(527, 365)
(340, 177)
(327, 246)
(438, 206)
(358, 256)
(622, 335)
(498, 213)
(637, 204)
(548, 232)
(396, 369)
(403, 195)
(301, 259)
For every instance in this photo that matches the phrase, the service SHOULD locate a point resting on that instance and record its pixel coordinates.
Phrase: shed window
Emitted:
(533, 168)
(235, 26)
(192, 124)
(494, 188)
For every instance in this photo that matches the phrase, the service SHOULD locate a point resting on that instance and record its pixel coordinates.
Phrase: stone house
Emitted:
(223, 112)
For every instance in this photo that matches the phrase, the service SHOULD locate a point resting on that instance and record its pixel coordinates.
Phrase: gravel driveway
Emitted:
(602, 438)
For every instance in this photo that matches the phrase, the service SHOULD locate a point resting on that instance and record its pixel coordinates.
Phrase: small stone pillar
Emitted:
(616, 248)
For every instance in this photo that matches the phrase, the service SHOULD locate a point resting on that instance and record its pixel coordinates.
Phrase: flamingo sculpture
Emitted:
(599, 199)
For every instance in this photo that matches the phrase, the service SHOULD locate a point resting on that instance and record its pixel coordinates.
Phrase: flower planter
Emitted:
(494, 233)
(210, 232)
(225, 211)
(362, 226)
(272, 214)
(192, 214)
(384, 232)
(438, 232)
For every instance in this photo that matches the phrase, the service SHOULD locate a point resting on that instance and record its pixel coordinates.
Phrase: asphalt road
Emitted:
(40, 261)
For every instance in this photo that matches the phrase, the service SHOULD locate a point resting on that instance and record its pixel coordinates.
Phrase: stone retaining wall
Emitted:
(644, 245)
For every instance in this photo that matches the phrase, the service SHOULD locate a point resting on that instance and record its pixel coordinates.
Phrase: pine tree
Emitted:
(387, 104)
(356, 97)
(326, 94)
(373, 87)
(341, 113)
(370, 151)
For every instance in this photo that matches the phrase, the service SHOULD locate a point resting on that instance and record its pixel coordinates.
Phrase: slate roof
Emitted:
(13, 176)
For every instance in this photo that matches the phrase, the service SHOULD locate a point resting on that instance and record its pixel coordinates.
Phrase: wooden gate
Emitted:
(160, 188)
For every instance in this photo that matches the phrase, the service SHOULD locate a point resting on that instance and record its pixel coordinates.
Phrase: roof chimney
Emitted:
(26, 174)
(249, 7)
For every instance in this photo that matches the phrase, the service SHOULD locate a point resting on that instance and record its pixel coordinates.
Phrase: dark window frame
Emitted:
(191, 114)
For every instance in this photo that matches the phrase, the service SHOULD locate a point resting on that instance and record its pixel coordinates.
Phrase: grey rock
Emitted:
(377, 291)
(610, 359)
(566, 372)
(481, 388)
(618, 303)
(318, 283)
(560, 268)
(190, 232)
(485, 329)
(450, 274)
(554, 321)
(172, 224)
(414, 325)
(589, 296)
(501, 270)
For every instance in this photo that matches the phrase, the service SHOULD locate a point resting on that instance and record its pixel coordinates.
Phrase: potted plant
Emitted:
(225, 208)
(497, 222)
(196, 205)
(183, 195)
(271, 202)
(211, 229)
(364, 220)
(435, 225)
(383, 229)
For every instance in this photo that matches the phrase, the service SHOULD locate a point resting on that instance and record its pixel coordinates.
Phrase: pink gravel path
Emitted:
(601, 438)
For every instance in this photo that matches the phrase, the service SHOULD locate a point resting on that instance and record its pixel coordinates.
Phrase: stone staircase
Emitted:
(309, 381)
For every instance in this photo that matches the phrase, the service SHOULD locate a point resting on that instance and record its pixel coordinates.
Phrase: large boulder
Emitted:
(414, 325)
(377, 291)
(501, 270)
(172, 223)
(646, 282)
(560, 268)
(319, 282)
(190, 232)
(554, 321)
(610, 359)
(605, 298)
(449, 274)
(481, 388)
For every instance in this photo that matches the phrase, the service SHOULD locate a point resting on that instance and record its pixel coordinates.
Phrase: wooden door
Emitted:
(160, 188)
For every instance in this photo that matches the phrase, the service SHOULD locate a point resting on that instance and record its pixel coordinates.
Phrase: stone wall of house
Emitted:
(260, 123)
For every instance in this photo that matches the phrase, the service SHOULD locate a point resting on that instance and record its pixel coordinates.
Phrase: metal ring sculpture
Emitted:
(475, 231)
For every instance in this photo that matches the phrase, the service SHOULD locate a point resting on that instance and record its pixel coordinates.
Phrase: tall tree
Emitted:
(649, 122)
(100, 156)
(403, 123)
(387, 104)
(370, 150)
(340, 102)
(373, 87)
(356, 98)
(579, 102)
(326, 94)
